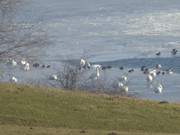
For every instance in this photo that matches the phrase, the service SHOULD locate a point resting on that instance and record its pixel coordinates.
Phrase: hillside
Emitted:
(45, 111)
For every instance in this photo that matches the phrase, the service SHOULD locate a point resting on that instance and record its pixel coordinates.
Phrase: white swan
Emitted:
(123, 79)
(82, 63)
(149, 78)
(53, 77)
(13, 62)
(158, 89)
(153, 73)
(23, 61)
(14, 79)
(27, 67)
(125, 89)
(95, 75)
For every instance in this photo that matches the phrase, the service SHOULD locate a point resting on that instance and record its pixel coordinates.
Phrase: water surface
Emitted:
(116, 32)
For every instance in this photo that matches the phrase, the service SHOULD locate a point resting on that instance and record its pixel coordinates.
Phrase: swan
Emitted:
(153, 73)
(120, 84)
(23, 62)
(123, 78)
(95, 75)
(125, 89)
(27, 67)
(82, 63)
(53, 77)
(96, 66)
(13, 62)
(149, 78)
(158, 89)
(158, 53)
(174, 51)
(158, 66)
(14, 79)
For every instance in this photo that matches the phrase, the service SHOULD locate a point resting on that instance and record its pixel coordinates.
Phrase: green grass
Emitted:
(24, 130)
(52, 111)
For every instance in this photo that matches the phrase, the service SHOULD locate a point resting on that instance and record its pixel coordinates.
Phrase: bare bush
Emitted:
(69, 76)
(73, 77)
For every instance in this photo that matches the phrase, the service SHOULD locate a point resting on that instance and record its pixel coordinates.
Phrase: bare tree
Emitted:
(17, 41)
(8, 8)
(20, 39)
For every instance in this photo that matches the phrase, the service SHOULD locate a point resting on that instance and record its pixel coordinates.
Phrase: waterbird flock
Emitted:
(173, 52)
(150, 73)
(122, 82)
(26, 66)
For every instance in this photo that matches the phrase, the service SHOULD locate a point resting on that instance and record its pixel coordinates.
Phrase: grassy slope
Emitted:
(51, 109)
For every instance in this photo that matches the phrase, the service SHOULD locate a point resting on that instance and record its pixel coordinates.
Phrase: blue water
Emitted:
(115, 32)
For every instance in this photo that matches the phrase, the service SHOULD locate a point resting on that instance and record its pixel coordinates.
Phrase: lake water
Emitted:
(116, 32)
